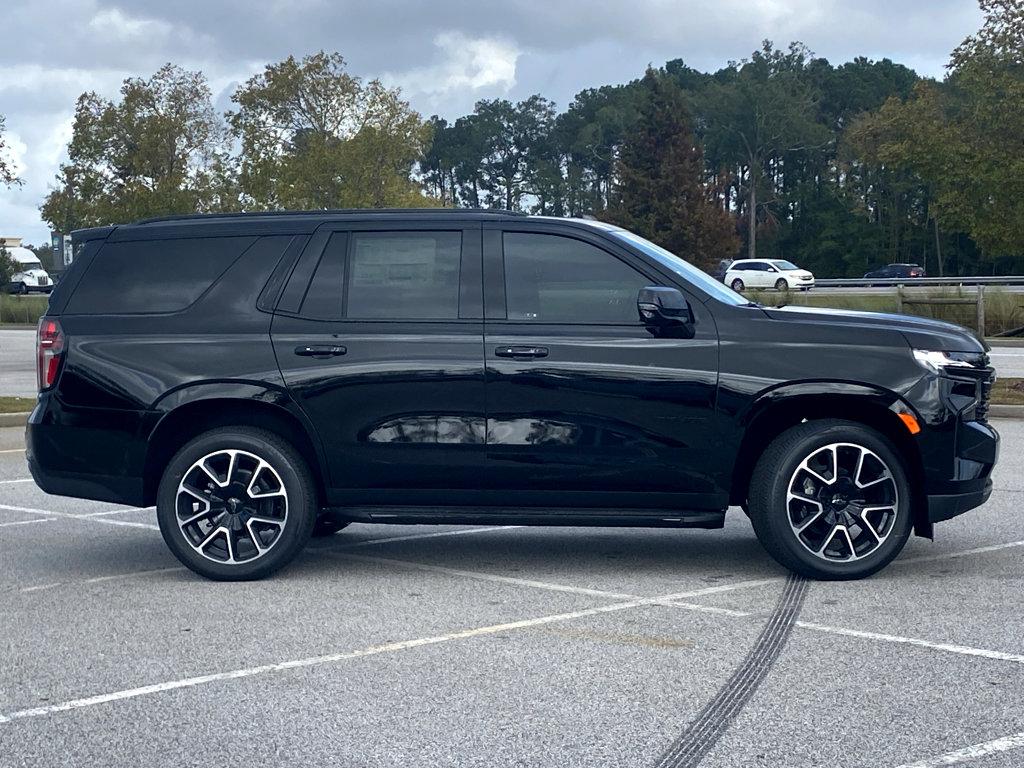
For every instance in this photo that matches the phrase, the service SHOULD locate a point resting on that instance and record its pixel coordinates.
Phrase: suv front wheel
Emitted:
(829, 499)
(236, 503)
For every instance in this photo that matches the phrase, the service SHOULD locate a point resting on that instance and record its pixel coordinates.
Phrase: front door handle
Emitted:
(521, 352)
(320, 350)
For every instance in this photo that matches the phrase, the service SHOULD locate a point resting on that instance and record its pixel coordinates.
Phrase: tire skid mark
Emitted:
(706, 729)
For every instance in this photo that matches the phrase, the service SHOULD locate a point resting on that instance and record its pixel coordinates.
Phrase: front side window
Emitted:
(782, 264)
(556, 279)
(403, 275)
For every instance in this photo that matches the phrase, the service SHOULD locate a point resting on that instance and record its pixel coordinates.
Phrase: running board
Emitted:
(532, 516)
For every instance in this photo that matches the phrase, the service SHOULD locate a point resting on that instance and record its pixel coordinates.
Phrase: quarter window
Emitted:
(554, 279)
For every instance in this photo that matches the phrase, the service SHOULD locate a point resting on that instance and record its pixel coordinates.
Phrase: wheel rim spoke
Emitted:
(232, 506)
(842, 502)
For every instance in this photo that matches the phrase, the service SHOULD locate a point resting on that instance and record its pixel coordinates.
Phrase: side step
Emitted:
(533, 516)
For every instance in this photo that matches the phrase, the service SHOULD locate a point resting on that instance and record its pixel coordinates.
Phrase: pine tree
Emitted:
(659, 191)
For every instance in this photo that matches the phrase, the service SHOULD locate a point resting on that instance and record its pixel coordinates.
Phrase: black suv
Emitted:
(264, 377)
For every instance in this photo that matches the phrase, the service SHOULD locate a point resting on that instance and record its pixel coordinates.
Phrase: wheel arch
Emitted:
(776, 411)
(192, 411)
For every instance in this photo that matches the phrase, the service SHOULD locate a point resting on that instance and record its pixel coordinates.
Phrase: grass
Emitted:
(1008, 392)
(22, 310)
(12, 404)
(1003, 310)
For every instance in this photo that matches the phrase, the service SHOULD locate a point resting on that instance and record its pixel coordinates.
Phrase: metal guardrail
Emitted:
(982, 280)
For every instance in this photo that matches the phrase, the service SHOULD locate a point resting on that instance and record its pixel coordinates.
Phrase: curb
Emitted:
(1006, 412)
(14, 420)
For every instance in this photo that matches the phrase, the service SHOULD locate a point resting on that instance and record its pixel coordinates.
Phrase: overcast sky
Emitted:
(445, 54)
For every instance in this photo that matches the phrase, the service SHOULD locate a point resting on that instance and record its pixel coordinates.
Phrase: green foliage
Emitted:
(160, 149)
(659, 190)
(962, 140)
(313, 136)
(7, 268)
(22, 310)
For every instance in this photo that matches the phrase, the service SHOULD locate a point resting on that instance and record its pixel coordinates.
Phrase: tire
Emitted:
(327, 526)
(781, 285)
(737, 285)
(876, 491)
(22, 289)
(237, 537)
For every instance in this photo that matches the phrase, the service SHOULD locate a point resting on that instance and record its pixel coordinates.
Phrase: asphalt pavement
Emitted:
(18, 374)
(478, 646)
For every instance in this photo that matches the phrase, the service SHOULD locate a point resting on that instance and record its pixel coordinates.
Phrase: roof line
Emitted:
(328, 212)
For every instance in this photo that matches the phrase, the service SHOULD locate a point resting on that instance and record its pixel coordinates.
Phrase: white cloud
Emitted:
(469, 63)
(115, 25)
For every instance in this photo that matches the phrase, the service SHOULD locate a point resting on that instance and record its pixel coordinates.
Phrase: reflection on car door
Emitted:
(584, 405)
(382, 350)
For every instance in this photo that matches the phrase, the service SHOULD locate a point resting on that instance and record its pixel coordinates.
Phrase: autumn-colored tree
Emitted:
(659, 191)
(313, 136)
(161, 149)
(964, 138)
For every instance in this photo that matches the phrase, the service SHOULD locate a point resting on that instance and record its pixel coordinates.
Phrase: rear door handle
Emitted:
(320, 350)
(521, 352)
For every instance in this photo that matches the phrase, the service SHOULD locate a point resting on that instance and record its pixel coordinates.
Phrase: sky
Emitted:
(444, 54)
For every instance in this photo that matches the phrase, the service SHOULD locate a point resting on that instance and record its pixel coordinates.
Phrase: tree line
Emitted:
(838, 168)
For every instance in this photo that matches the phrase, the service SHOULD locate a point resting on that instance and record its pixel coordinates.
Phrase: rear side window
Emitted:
(153, 276)
(403, 275)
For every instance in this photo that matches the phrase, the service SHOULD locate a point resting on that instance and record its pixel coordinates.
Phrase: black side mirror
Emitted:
(662, 308)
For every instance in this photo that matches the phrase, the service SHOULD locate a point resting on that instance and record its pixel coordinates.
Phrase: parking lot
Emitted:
(403, 645)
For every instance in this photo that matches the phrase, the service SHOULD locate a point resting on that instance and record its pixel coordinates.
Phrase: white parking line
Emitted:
(22, 523)
(383, 540)
(80, 517)
(11, 451)
(17, 480)
(105, 578)
(973, 752)
(943, 647)
(833, 630)
(277, 667)
(958, 553)
(540, 585)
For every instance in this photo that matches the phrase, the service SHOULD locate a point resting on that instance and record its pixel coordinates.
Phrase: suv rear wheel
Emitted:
(737, 285)
(829, 499)
(236, 503)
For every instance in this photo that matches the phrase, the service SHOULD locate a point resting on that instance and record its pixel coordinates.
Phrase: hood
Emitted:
(920, 333)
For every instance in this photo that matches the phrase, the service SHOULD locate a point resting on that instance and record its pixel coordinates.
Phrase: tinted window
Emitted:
(552, 279)
(150, 276)
(323, 299)
(404, 275)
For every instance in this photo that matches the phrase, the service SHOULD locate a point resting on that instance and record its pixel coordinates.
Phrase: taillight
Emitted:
(49, 352)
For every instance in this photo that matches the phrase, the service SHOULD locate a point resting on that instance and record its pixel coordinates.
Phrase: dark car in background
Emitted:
(897, 271)
(263, 377)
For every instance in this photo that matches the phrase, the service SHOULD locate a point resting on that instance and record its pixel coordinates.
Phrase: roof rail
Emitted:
(328, 212)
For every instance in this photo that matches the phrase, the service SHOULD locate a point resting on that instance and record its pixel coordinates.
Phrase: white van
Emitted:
(29, 275)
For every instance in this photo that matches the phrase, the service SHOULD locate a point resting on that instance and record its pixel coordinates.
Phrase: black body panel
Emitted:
(493, 413)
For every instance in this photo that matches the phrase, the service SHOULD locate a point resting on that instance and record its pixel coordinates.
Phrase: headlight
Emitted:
(940, 360)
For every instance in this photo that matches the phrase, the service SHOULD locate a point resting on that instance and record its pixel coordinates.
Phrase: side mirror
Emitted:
(663, 308)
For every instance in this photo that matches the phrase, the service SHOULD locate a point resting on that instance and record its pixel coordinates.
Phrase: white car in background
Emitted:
(767, 273)
(30, 275)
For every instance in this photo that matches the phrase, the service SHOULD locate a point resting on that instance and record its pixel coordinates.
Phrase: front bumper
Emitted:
(942, 507)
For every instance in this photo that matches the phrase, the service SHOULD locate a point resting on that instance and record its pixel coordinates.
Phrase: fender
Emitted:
(245, 394)
(787, 392)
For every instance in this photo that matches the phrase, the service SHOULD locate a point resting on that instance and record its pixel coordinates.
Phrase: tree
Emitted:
(8, 177)
(7, 268)
(313, 136)
(156, 151)
(962, 140)
(755, 114)
(659, 190)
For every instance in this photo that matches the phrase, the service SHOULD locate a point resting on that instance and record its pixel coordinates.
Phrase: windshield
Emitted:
(26, 266)
(782, 264)
(682, 268)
